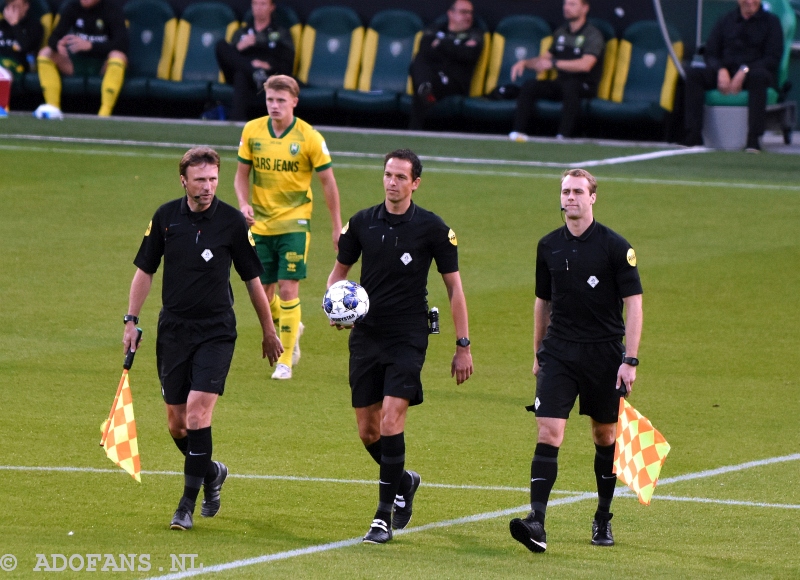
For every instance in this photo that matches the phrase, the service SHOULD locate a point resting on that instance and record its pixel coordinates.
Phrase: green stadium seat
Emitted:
(330, 53)
(151, 30)
(515, 38)
(645, 78)
(546, 109)
(453, 106)
(194, 67)
(389, 46)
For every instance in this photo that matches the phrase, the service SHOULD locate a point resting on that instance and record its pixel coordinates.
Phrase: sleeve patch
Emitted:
(325, 148)
(149, 227)
(631, 257)
(451, 235)
(250, 238)
(345, 228)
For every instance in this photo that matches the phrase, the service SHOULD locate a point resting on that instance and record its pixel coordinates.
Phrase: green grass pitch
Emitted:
(719, 253)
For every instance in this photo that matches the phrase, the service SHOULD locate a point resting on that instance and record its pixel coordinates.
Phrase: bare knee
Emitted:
(604, 434)
(551, 431)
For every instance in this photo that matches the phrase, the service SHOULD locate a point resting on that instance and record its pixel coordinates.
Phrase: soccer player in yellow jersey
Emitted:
(282, 152)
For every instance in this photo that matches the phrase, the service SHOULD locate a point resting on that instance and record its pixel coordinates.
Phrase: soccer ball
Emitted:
(345, 303)
(48, 112)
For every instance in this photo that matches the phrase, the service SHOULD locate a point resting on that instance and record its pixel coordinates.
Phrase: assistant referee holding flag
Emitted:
(585, 274)
(199, 238)
(397, 241)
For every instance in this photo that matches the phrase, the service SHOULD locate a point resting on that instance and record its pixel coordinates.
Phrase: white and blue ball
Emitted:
(345, 303)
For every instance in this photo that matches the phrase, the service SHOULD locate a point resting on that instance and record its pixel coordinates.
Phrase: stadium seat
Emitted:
(645, 78)
(389, 44)
(329, 55)
(194, 67)
(151, 30)
(515, 38)
(780, 113)
(40, 10)
(546, 109)
(453, 106)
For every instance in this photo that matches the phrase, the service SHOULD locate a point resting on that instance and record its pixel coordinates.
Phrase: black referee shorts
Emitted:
(386, 364)
(194, 354)
(568, 370)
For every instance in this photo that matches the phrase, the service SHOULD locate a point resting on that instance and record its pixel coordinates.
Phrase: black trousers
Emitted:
(238, 72)
(700, 80)
(568, 90)
(442, 85)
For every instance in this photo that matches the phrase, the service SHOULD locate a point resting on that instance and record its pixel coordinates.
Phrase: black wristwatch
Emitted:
(130, 318)
(462, 341)
(629, 360)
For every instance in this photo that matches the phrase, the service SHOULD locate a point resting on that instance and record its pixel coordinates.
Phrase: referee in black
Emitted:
(199, 238)
(585, 275)
(397, 240)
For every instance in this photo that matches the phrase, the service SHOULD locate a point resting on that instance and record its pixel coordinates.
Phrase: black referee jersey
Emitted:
(198, 249)
(397, 252)
(585, 279)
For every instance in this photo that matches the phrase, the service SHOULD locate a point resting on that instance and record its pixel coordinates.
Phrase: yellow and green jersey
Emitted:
(282, 169)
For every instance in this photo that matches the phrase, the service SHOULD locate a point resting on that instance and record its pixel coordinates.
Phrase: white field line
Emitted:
(444, 170)
(359, 155)
(469, 519)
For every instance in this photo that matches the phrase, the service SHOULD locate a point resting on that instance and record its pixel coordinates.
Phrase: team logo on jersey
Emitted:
(579, 40)
(256, 146)
(592, 281)
(451, 235)
(345, 228)
(294, 148)
(99, 24)
(274, 36)
(79, 23)
(149, 227)
(631, 257)
(250, 238)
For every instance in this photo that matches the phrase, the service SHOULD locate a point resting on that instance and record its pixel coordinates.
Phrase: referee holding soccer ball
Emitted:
(398, 240)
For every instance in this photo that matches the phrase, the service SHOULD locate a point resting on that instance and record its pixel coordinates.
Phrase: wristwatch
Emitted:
(629, 360)
(744, 68)
(130, 318)
(462, 341)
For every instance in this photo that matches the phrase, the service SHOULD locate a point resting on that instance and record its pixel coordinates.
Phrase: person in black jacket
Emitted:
(257, 51)
(446, 61)
(90, 39)
(20, 36)
(743, 52)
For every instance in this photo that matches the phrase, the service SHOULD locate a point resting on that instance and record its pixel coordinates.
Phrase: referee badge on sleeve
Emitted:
(149, 227)
(631, 257)
(345, 228)
(451, 235)
(250, 238)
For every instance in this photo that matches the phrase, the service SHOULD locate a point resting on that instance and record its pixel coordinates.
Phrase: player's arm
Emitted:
(338, 273)
(541, 320)
(633, 334)
(140, 288)
(241, 184)
(579, 65)
(271, 347)
(461, 367)
(331, 191)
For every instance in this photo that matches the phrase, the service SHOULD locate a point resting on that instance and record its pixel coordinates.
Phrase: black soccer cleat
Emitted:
(601, 532)
(403, 504)
(211, 492)
(529, 533)
(379, 533)
(182, 520)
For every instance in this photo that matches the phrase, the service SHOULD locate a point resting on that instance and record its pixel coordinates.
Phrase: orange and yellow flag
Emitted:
(639, 453)
(119, 432)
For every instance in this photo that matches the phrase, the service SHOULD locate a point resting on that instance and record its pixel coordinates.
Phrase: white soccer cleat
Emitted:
(296, 351)
(282, 372)
(518, 137)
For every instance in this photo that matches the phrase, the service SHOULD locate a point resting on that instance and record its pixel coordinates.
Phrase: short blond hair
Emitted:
(581, 173)
(283, 83)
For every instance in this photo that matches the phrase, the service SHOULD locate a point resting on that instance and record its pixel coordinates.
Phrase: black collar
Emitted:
(394, 218)
(584, 236)
(207, 214)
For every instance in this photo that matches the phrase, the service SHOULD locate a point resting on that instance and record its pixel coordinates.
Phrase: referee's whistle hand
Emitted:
(271, 348)
(461, 367)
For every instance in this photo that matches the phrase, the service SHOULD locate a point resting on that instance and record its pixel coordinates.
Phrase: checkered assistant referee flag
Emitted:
(119, 430)
(639, 453)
